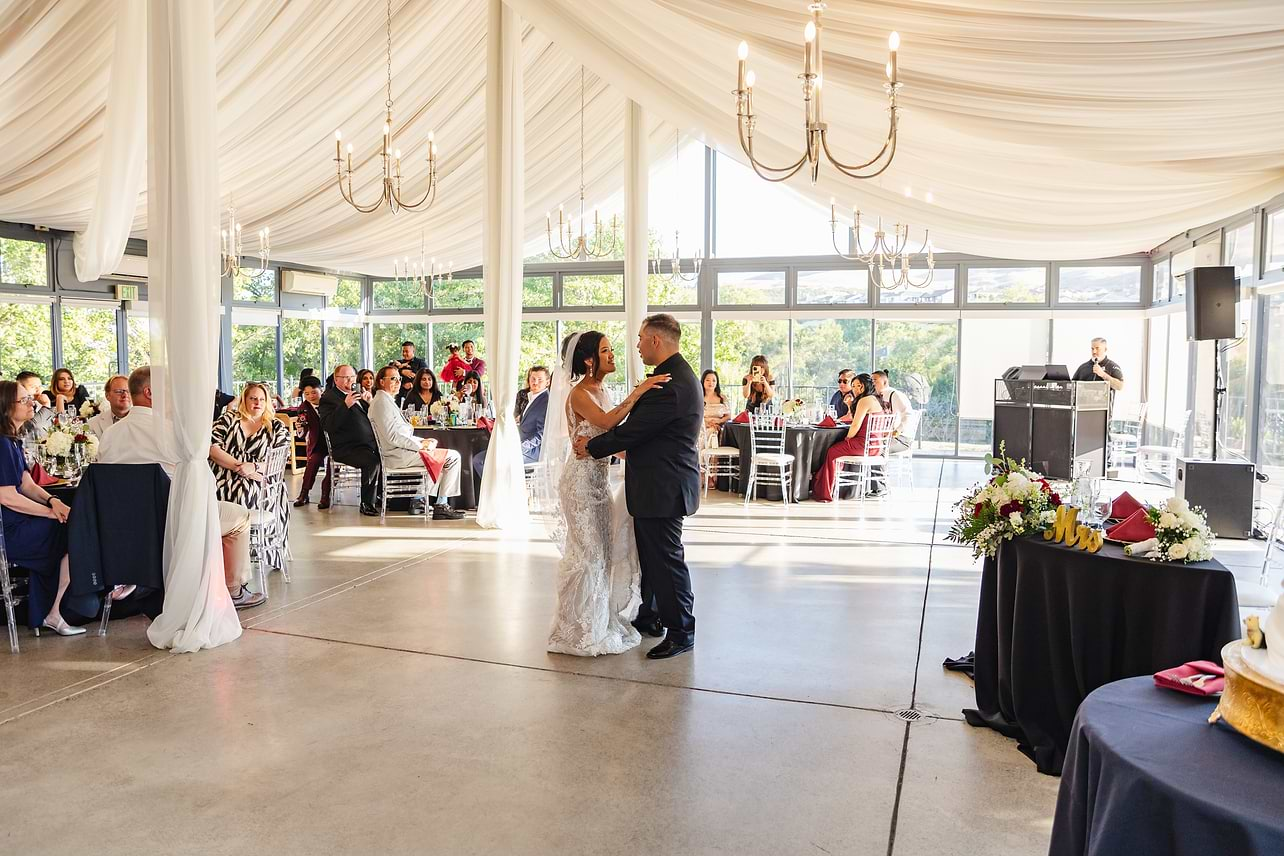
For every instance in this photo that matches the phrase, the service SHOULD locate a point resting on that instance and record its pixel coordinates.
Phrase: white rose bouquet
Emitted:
(1014, 501)
(90, 409)
(1181, 534)
(58, 444)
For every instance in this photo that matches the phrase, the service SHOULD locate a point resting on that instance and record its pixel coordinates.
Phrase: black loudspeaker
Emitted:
(1211, 293)
(1224, 489)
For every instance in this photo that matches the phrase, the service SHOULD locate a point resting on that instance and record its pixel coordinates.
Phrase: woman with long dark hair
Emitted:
(470, 389)
(865, 404)
(716, 411)
(65, 392)
(424, 392)
(35, 534)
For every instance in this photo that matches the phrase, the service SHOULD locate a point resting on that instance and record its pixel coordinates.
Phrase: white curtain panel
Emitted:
(636, 172)
(183, 306)
(123, 151)
(1044, 129)
(503, 495)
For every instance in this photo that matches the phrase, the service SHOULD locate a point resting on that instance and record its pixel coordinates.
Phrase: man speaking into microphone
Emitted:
(1101, 367)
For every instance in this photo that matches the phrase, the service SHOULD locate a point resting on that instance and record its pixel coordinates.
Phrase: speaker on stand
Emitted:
(1211, 295)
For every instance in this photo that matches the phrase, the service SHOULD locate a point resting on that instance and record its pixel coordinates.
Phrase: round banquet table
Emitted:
(467, 442)
(1146, 774)
(1055, 622)
(807, 444)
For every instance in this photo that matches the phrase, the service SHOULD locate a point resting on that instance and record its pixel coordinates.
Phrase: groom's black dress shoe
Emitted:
(650, 628)
(668, 648)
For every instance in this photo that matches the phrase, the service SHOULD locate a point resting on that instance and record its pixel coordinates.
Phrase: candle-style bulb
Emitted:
(894, 41)
(742, 52)
(809, 34)
(338, 134)
(750, 79)
(430, 136)
(265, 230)
(398, 154)
(349, 148)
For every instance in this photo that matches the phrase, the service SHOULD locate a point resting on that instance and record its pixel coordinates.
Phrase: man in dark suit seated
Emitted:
(344, 417)
(531, 423)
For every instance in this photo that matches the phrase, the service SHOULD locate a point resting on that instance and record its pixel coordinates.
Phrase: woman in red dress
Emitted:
(865, 405)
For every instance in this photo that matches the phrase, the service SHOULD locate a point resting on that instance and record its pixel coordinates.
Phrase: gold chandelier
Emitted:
(816, 130)
(230, 247)
(568, 246)
(424, 275)
(675, 264)
(391, 157)
(888, 260)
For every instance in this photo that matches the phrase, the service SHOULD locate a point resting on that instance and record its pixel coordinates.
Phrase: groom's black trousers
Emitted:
(666, 581)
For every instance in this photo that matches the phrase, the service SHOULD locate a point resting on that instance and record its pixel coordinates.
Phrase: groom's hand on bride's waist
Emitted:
(581, 447)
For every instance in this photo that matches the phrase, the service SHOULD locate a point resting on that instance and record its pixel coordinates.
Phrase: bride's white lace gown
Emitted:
(598, 580)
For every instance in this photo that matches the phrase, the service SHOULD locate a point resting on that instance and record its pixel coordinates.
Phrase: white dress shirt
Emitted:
(132, 440)
(900, 405)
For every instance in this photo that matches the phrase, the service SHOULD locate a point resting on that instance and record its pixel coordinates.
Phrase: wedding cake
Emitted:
(1253, 700)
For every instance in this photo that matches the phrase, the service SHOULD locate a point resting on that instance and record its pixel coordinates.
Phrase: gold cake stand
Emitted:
(1251, 703)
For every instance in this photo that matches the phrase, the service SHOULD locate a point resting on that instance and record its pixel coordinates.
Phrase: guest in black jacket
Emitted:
(344, 416)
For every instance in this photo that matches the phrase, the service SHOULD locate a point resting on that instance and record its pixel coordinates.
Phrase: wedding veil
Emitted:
(556, 449)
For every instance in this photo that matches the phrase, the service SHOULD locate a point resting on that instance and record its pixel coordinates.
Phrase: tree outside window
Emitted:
(255, 289)
(388, 339)
(343, 347)
(300, 348)
(23, 263)
(27, 343)
(140, 341)
(89, 344)
(348, 294)
(253, 355)
(397, 294)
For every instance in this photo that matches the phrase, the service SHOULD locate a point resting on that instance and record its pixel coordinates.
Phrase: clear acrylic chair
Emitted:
(769, 463)
(400, 482)
(267, 507)
(858, 470)
(341, 475)
(6, 592)
(1162, 460)
(717, 461)
(901, 462)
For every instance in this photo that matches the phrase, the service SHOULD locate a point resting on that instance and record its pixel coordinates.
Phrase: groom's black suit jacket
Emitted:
(660, 436)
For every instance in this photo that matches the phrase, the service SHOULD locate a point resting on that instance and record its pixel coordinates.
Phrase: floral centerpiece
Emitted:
(445, 409)
(90, 409)
(1013, 501)
(70, 440)
(1181, 534)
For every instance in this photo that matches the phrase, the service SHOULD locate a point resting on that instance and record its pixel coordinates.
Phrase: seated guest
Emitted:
(474, 362)
(310, 421)
(716, 411)
(118, 404)
(758, 387)
(35, 536)
(66, 392)
(530, 426)
(221, 401)
(132, 440)
(401, 447)
(452, 373)
(36, 428)
(470, 390)
(365, 381)
(297, 392)
(897, 403)
(344, 416)
(424, 392)
(822, 486)
(537, 379)
(839, 399)
(408, 368)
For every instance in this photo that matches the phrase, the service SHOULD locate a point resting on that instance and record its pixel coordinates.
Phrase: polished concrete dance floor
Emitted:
(397, 698)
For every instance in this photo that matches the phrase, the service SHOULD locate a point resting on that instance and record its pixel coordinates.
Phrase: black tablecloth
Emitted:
(808, 445)
(1054, 623)
(467, 442)
(1146, 774)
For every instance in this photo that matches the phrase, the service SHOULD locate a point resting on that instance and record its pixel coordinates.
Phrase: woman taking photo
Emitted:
(759, 386)
(865, 405)
(365, 380)
(35, 532)
(66, 392)
(242, 439)
(470, 390)
(424, 392)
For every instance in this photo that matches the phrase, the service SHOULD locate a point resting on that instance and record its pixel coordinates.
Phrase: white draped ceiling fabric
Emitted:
(1043, 129)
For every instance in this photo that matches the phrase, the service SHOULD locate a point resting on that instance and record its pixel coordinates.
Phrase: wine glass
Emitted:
(1101, 506)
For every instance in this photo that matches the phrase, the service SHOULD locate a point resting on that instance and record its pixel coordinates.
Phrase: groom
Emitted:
(661, 483)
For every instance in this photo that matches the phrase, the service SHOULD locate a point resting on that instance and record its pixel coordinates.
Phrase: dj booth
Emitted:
(1059, 427)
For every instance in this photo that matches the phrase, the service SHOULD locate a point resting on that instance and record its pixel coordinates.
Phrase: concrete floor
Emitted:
(396, 697)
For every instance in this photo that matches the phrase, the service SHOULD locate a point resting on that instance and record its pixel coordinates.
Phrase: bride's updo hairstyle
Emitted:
(585, 352)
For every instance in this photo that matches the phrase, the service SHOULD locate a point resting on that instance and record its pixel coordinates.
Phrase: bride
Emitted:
(598, 578)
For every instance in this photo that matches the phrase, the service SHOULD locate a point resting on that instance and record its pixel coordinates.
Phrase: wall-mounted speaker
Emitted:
(1211, 293)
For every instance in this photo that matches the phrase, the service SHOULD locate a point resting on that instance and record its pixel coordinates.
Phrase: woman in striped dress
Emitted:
(241, 441)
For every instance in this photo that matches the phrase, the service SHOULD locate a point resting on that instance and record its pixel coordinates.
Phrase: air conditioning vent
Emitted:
(130, 269)
(303, 282)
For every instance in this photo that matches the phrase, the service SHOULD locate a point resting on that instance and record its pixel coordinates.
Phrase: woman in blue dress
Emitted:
(35, 532)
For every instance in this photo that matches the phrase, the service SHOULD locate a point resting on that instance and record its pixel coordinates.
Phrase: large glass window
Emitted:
(387, 339)
(602, 289)
(762, 218)
(939, 290)
(675, 200)
(822, 348)
(1275, 240)
(459, 293)
(662, 289)
(991, 346)
(1162, 270)
(27, 341)
(396, 294)
(736, 342)
(140, 341)
(300, 348)
(89, 343)
(537, 291)
(253, 355)
(745, 288)
(1239, 253)
(1100, 284)
(23, 263)
(343, 347)
(539, 347)
(850, 285)
(1156, 379)
(254, 289)
(1271, 451)
(621, 343)
(689, 346)
(456, 332)
(348, 294)
(1007, 285)
(921, 358)
(1072, 337)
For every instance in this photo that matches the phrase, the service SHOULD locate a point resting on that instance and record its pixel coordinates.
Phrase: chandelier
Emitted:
(816, 130)
(888, 260)
(424, 276)
(568, 246)
(391, 157)
(675, 266)
(230, 247)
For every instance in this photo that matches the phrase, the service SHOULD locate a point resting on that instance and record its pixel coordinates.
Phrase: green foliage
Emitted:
(258, 289)
(823, 347)
(253, 355)
(739, 288)
(300, 348)
(661, 290)
(23, 263)
(387, 341)
(27, 340)
(444, 333)
(537, 291)
(603, 289)
(928, 349)
(394, 294)
(348, 294)
(735, 343)
(539, 347)
(140, 342)
(343, 347)
(89, 343)
(458, 294)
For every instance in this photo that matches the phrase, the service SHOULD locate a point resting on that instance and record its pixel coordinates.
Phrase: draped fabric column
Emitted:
(123, 152)
(637, 176)
(503, 496)
(183, 283)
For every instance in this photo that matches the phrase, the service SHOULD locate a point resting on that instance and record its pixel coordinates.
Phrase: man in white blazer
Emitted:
(118, 403)
(401, 447)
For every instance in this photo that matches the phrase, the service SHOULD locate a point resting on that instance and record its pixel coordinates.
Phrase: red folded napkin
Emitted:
(486, 422)
(827, 422)
(1124, 507)
(742, 418)
(434, 462)
(41, 477)
(1136, 528)
(1171, 679)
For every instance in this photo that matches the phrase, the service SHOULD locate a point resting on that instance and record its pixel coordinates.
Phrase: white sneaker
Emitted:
(246, 599)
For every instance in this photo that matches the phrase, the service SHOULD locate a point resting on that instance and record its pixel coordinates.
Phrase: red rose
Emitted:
(1013, 506)
(81, 438)
(976, 510)
(1055, 499)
